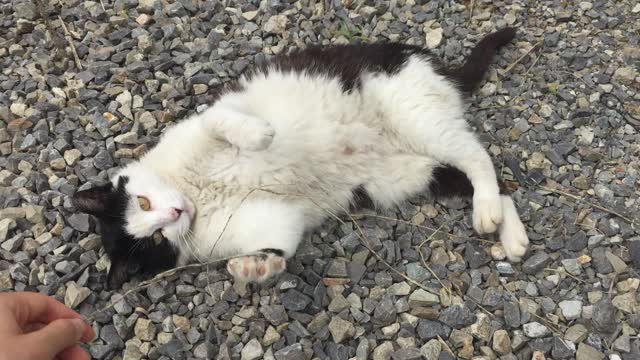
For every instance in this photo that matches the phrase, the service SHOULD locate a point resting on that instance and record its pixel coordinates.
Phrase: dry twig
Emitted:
(563, 272)
(518, 60)
(145, 284)
(424, 262)
(579, 199)
(450, 236)
(472, 3)
(70, 41)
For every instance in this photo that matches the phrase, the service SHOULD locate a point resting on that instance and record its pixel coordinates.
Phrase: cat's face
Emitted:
(142, 220)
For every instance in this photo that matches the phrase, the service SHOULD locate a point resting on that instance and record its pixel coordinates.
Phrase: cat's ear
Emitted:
(93, 201)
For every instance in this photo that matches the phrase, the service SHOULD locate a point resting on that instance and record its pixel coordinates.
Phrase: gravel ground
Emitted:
(560, 110)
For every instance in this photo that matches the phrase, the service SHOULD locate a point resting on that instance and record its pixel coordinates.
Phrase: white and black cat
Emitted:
(305, 134)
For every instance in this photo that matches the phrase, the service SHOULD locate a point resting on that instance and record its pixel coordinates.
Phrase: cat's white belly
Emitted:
(326, 145)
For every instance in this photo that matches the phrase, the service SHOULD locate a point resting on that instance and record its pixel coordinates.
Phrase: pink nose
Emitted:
(175, 213)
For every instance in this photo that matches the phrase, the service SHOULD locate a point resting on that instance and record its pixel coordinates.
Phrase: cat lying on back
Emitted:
(292, 141)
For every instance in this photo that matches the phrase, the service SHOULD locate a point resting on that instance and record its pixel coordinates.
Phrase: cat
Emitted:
(295, 139)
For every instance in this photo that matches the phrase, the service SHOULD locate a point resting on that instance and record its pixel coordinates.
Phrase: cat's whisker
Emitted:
(187, 240)
(134, 248)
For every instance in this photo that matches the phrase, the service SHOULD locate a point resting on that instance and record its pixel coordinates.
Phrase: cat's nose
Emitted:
(175, 213)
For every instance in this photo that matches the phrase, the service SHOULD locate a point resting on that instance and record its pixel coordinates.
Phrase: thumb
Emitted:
(53, 338)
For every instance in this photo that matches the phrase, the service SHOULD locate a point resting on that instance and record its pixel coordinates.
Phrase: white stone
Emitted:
(571, 309)
(276, 24)
(18, 109)
(535, 330)
(399, 289)
(421, 297)
(145, 330)
(250, 15)
(72, 156)
(252, 350)
(488, 89)
(341, 329)
(431, 350)
(5, 226)
(433, 38)
(584, 5)
(75, 294)
(129, 138)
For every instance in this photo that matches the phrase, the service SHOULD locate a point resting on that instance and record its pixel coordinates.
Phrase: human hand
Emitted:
(36, 327)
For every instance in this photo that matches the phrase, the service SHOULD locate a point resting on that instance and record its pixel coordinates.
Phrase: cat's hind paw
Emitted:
(513, 234)
(256, 268)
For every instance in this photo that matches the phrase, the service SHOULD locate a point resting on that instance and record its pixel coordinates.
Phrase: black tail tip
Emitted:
(501, 37)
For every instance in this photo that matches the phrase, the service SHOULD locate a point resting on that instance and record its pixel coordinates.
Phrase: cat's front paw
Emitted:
(251, 134)
(487, 213)
(256, 268)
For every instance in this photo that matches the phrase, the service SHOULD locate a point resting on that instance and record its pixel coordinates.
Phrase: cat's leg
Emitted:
(394, 179)
(239, 128)
(461, 149)
(449, 182)
(266, 232)
(426, 113)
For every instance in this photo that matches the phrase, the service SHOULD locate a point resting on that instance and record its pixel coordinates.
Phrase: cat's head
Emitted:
(142, 220)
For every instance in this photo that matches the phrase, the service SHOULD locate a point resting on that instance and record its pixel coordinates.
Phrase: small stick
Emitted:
(544, 320)
(451, 236)
(365, 242)
(533, 64)
(565, 273)
(518, 60)
(424, 262)
(102, 4)
(145, 284)
(471, 5)
(579, 199)
(70, 41)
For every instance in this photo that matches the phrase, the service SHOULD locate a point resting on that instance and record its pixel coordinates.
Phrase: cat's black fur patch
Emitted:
(348, 62)
(449, 182)
(361, 199)
(276, 252)
(128, 255)
(477, 63)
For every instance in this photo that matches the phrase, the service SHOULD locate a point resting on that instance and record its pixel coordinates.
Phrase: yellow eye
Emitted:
(144, 203)
(157, 237)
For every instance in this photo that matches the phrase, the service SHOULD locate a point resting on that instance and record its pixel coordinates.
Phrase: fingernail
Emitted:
(80, 326)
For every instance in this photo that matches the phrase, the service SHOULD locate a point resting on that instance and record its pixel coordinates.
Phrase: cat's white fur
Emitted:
(265, 164)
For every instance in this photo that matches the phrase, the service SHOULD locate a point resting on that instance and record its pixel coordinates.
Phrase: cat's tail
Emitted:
(476, 65)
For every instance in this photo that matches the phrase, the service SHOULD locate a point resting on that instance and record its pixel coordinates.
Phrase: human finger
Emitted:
(53, 338)
(29, 307)
(75, 352)
(33, 327)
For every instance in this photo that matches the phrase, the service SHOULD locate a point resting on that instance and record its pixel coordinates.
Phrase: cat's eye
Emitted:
(158, 237)
(144, 203)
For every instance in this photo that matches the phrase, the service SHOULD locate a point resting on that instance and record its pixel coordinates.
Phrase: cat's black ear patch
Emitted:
(93, 201)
